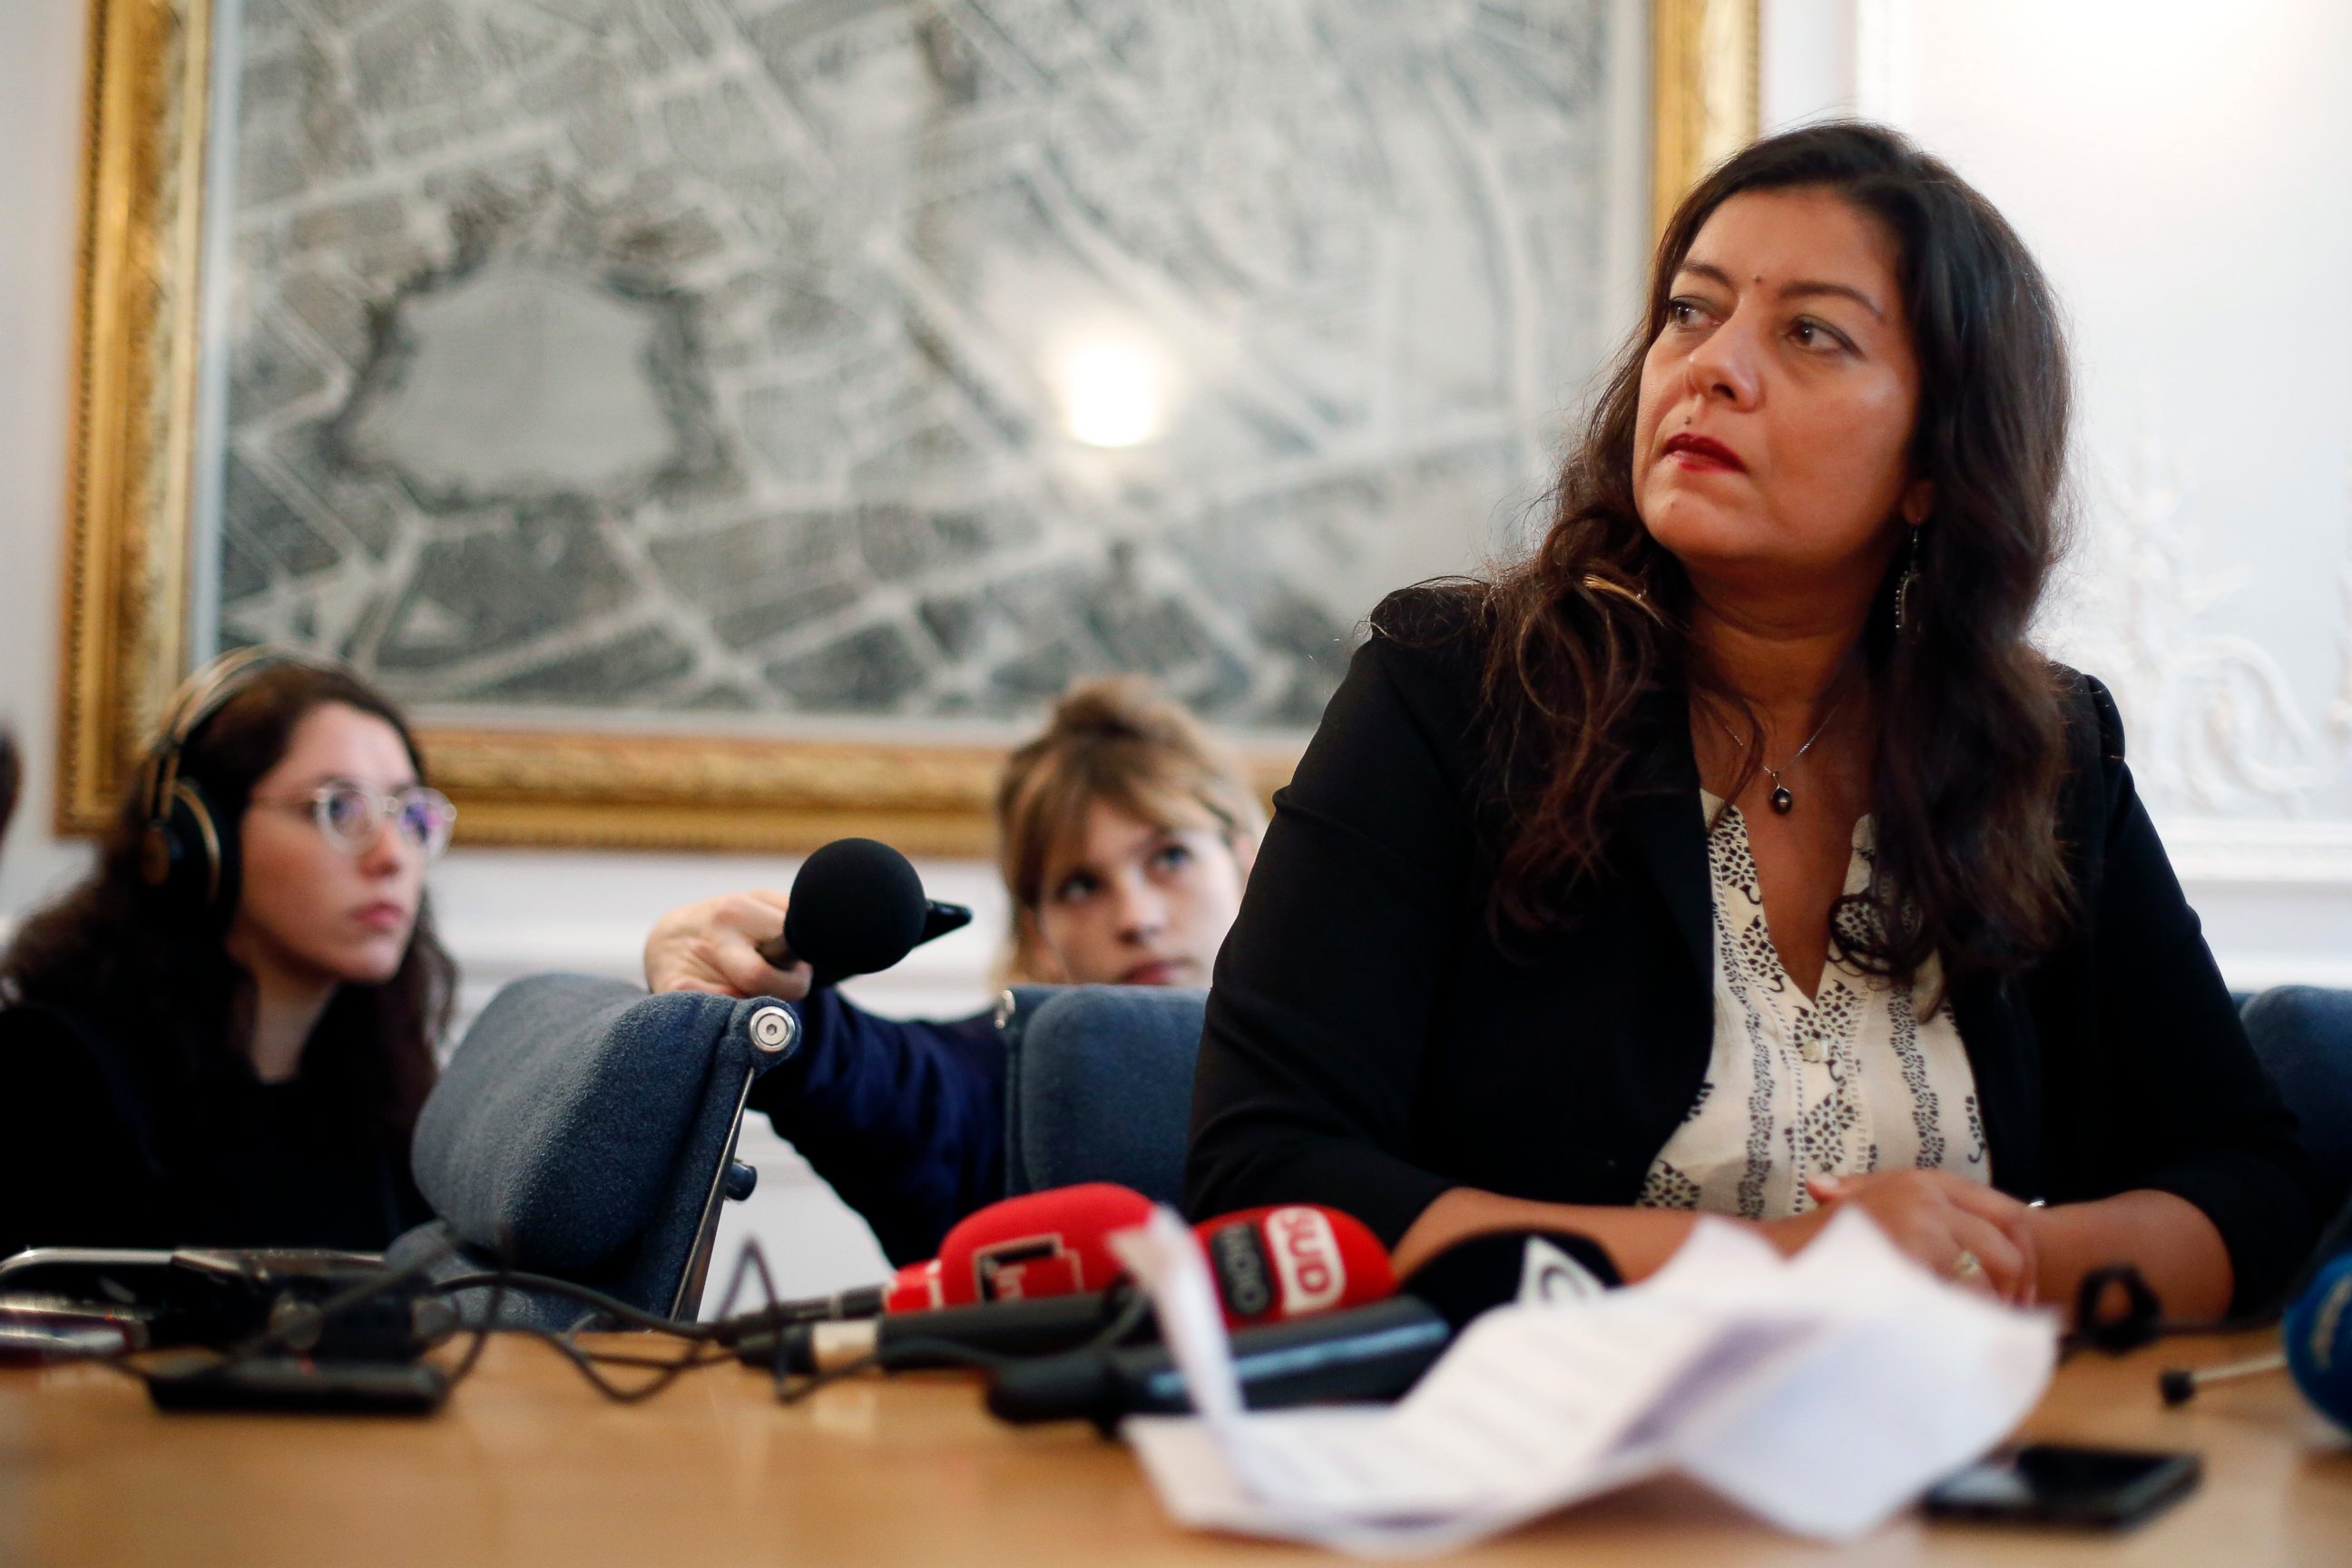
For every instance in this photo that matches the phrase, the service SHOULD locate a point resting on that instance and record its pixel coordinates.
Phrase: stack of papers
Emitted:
(1822, 1393)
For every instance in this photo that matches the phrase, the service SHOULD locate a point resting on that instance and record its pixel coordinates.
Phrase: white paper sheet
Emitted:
(1823, 1394)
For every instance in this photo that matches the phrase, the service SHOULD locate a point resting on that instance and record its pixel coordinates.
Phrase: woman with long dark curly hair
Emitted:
(223, 1036)
(1736, 852)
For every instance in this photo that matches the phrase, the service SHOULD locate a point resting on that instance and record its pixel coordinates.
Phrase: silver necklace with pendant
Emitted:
(1783, 803)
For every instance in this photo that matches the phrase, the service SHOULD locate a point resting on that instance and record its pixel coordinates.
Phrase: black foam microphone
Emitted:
(858, 908)
(1375, 1352)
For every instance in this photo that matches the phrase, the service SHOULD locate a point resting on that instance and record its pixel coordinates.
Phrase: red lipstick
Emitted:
(1704, 452)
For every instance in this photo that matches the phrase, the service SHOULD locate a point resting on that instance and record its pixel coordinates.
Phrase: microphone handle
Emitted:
(938, 918)
(2179, 1385)
(777, 954)
(1374, 1352)
(865, 1301)
(904, 1341)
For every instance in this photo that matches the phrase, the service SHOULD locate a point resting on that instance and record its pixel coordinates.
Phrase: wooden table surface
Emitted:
(527, 1465)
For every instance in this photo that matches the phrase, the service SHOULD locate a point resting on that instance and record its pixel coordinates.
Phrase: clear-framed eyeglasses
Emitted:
(352, 817)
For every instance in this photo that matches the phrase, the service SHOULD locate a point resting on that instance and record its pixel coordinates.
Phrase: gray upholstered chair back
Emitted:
(1098, 1087)
(2304, 1035)
(588, 1129)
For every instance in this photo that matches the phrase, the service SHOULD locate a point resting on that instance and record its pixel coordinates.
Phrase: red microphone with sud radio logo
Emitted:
(1292, 1261)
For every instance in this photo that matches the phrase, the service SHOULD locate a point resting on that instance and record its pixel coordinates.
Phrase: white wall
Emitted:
(2177, 167)
(40, 135)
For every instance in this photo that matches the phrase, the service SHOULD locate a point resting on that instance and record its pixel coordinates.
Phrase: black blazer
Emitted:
(1370, 1045)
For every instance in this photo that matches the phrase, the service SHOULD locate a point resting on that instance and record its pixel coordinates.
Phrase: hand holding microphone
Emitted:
(857, 907)
(713, 946)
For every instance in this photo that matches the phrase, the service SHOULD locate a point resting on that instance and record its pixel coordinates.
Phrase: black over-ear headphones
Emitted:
(188, 852)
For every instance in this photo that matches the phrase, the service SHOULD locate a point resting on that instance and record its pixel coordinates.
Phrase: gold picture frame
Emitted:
(126, 578)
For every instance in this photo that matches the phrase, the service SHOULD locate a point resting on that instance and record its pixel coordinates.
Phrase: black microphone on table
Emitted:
(858, 908)
(1371, 1352)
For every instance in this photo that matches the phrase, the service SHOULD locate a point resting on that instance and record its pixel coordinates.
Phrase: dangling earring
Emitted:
(1905, 617)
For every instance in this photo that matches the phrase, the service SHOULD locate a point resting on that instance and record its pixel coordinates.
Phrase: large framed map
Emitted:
(730, 422)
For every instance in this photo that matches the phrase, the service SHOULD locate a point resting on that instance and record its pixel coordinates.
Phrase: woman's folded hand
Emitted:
(1961, 1229)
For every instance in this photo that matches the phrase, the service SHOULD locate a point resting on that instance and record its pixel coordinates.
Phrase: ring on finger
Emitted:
(1968, 1266)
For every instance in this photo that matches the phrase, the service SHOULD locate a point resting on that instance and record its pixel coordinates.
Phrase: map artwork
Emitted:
(850, 360)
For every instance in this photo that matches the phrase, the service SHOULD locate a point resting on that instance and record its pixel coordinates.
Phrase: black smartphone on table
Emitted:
(2053, 1483)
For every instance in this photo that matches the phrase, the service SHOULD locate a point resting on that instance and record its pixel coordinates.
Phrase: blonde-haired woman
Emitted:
(1125, 836)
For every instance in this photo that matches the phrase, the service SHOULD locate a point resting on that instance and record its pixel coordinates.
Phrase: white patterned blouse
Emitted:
(1844, 1082)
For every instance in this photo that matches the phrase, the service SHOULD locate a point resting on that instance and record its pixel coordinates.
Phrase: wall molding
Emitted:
(2299, 855)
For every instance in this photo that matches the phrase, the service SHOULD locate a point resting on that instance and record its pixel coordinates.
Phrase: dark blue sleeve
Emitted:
(904, 1118)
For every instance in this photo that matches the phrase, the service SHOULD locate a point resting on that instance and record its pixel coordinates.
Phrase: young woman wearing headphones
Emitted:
(224, 1036)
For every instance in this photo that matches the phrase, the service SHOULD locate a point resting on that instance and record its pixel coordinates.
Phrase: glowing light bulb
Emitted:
(1113, 391)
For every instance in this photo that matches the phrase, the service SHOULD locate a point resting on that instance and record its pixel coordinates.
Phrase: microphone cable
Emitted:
(296, 1326)
(1130, 1317)
(710, 1343)
(299, 1324)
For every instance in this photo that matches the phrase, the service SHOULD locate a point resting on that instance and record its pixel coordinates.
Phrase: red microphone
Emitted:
(913, 1289)
(1054, 1243)
(1270, 1265)
(1293, 1260)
